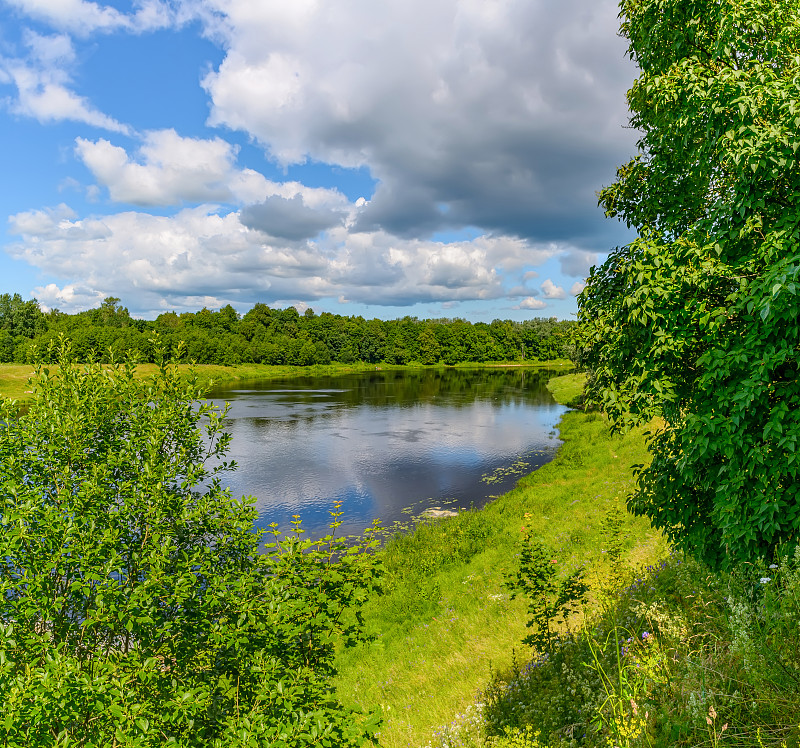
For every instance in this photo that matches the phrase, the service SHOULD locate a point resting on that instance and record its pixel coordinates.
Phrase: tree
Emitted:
(698, 320)
(112, 313)
(136, 606)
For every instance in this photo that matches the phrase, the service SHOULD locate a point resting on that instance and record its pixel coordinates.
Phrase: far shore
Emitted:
(14, 378)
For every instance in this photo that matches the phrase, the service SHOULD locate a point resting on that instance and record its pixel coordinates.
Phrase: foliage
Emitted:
(552, 599)
(684, 657)
(279, 336)
(136, 607)
(697, 320)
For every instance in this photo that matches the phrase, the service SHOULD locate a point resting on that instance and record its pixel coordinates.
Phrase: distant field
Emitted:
(14, 377)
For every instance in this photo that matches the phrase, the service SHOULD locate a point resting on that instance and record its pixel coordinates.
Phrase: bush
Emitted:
(136, 605)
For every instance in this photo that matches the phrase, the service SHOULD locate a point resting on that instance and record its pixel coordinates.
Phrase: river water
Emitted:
(387, 444)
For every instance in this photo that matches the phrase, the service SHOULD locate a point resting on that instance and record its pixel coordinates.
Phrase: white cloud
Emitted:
(42, 224)
(169, 169)
(504, 115)
(530, 303)
(43, 85)
(552, 291)
(577, 287)
(154, 260)
(83, 18)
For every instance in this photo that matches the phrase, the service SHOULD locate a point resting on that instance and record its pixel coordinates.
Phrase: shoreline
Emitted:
(14, 377)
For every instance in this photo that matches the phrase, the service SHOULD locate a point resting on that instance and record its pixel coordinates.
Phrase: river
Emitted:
(387, 444)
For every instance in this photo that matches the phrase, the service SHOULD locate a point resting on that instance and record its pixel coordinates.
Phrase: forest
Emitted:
(275, 336)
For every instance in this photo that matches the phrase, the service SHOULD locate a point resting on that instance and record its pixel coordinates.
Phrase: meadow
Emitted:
(473, 640)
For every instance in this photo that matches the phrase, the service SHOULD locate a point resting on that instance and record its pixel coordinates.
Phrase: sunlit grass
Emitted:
(14, 380)
(568, 389)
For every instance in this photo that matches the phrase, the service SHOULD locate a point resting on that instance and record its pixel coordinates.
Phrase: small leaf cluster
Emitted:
(137, 607)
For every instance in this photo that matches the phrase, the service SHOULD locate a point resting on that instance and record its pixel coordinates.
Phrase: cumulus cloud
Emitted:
(169, 169)
(83, 18)
(198, 253)
(43, 84)
(577, 288)
(552, 291)
(498, 118)
(41, 224)
(577, 263)
(530, 303)
(505, 116)
(172, 169)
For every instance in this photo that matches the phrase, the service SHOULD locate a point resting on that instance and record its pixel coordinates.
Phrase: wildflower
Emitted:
(646, 635)
(764, 580)
(773, 566)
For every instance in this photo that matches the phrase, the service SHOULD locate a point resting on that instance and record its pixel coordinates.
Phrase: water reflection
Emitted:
(385, 441)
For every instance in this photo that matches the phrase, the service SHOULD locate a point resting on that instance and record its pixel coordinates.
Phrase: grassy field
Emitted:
(445, 621)
(14, 377)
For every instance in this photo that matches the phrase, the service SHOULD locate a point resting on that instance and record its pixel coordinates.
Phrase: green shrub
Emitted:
(136, 608)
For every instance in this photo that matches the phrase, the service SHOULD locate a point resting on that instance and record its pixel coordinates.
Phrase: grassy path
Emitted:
(445, 620)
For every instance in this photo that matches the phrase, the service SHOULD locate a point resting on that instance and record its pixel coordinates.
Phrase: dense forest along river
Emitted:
(386, 443)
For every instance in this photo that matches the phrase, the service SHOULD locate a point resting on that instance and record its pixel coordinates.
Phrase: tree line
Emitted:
(276, 336)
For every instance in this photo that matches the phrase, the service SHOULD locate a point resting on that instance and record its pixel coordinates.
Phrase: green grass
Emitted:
(446, 621)
(14, 377)
(669, 655)
(568, 389)
(14, 381)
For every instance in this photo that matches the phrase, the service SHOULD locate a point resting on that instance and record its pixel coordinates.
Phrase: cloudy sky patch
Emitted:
(438, 157)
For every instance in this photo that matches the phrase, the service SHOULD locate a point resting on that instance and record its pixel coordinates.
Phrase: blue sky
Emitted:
(425, 157)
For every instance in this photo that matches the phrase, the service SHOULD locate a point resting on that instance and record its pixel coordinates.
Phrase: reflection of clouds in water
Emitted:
(297, 453)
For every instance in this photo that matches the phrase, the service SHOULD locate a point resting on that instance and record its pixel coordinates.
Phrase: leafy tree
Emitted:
(429, 349)
(136, 607)
(698, 320)
(111, 313)
(20, 318)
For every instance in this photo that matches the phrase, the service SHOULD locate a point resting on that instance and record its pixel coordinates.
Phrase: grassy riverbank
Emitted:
(14, 377)
(446, 621)
(667, 655)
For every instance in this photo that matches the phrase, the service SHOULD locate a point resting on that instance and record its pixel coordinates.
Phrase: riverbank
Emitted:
(668, 655)
(445, 622)
(14, 377)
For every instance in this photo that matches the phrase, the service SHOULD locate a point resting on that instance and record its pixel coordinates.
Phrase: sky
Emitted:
(433, 158)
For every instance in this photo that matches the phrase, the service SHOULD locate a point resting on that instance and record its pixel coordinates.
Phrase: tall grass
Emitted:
(667, 654)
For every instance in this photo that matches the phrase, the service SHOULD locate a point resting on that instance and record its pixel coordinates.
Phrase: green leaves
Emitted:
(137, 607)
(696, 321)
(553, 597)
